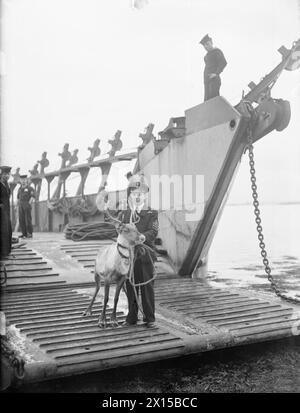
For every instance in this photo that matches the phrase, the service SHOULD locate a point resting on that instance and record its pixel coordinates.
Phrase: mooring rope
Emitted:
(90, 231)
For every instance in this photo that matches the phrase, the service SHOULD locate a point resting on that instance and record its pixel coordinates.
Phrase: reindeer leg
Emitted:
(113, 316)
(88, 311)
(124, 288)
(102, 318)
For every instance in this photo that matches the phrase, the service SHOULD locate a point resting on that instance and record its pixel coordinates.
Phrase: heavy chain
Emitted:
(4, 279)
(259, 228)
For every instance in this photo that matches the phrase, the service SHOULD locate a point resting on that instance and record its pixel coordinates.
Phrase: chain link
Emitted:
(259, 228)
(4, 272)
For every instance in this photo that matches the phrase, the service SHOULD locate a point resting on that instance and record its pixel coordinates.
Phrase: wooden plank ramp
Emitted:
(85, 253)
(46, 327)
(50, 333)
(56, 340)
(27, 268)
(247, 317)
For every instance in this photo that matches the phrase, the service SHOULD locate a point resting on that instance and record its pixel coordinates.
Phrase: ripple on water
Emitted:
(286, 273)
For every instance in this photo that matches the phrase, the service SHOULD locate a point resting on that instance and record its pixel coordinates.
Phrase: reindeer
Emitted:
(113, 265)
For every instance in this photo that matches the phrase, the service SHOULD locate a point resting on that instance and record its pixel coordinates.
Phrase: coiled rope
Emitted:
(91, 231)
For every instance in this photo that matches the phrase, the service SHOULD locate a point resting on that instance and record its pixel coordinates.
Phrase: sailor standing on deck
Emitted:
(25, 197)
(144, 268)
(215, 63)
(5, 223)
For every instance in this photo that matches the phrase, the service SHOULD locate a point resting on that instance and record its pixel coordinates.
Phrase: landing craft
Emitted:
(210, 141)
(46, 284)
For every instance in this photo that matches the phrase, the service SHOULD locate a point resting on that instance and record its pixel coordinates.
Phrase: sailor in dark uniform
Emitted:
(25, 195)
(215, 63)
(144, 264)
(5, 223)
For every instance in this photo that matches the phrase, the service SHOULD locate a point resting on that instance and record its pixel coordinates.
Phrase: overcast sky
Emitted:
(77, 70)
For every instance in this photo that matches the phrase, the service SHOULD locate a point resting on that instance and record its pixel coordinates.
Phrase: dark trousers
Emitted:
(142, 273)
(212, 88)
(25, 220)
(5, 233)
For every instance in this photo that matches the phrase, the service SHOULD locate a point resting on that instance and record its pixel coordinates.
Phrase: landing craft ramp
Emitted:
(47, 330)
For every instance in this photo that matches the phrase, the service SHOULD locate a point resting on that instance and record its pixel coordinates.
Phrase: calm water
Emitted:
(235, 255)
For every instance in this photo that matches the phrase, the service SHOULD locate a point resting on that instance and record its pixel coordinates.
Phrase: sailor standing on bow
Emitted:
(147, 225)
(215, 63)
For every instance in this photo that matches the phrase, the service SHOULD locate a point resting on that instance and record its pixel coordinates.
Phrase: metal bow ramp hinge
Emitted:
(259, 228)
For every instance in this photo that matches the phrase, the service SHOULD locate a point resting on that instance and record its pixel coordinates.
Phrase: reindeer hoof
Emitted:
(102, 323)
(114, 323)
(87, 312)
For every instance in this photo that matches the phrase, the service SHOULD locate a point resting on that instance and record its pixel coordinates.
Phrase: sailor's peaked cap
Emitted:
(138, 182)
(205, 39)
(5, 169)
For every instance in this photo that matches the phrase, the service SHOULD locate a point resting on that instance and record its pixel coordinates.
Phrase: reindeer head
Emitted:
(128, 234)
